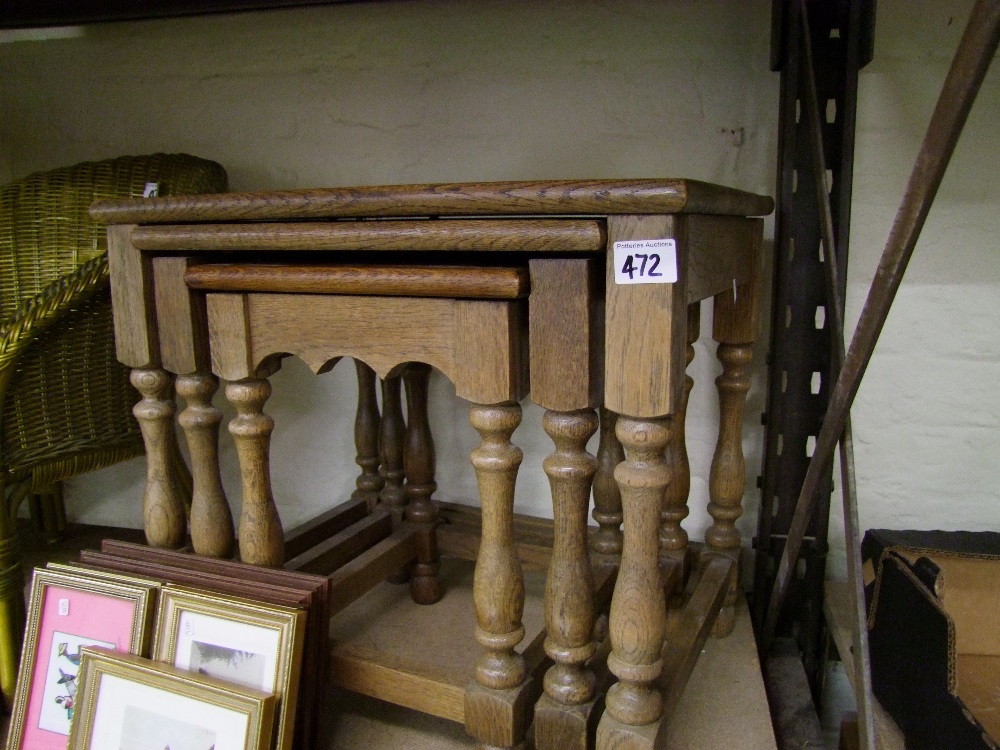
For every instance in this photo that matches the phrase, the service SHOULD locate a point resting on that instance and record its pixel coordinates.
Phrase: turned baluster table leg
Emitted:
(366, 435)
(734, 326)
(211, 519)
(607, 540)
(391, 437)
(392, 433)
(418, 465)
(162, 502)
(728, 469)
(638, 609)
(261, 537)
(493, 714)
(673, 537)
(569, 598)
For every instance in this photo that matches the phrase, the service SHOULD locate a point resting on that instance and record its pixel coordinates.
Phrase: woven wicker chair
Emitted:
(65, 401)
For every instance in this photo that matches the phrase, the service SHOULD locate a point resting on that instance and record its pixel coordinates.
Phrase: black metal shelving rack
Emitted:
(800, 346)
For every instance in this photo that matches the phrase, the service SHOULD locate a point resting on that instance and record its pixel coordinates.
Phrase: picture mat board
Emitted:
(59, 692)
(113, 685)
(253, 663)
(83, 610)
(247, 642)
(118, 696)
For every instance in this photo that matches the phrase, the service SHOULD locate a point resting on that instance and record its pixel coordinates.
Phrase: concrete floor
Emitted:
(724, 705)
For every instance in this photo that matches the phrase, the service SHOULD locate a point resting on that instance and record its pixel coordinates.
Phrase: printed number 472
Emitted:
(652, 259)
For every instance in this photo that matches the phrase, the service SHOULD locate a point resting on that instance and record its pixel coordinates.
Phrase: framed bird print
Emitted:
(68, 610)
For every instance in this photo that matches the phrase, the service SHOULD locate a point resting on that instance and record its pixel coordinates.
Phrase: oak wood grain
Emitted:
(607, 540)
(212, 532)
(491, 351)
(566, 334)
(360, 575)
(479, 345)
(526, 528)
(457, 199)
(262, 540)
(461, 530)
(366, 433)
(645, 326)
(133, 306)
(638, 607)
(309, 533)
(736, 314)
(734, 327)
(673, 537)
(419, 464)
(720, 250)
(416, 685)
(440, 236)
(727, 477)
(384, 332)
(343, 546)
(561, 727)
(181, 318)
(456, 282)
(498, 585)
(500, 718)
(391, 436)
(163, 503)
(569, 586)
(462, 541)
(681, 649)
(229, 336)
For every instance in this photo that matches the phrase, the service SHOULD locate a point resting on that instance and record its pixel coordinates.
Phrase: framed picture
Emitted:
(107, 575)
(237, 640)
(274, 586)
(130, 703)
(68, 610)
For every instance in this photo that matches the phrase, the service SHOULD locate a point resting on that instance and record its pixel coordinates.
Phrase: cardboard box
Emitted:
(934, 634)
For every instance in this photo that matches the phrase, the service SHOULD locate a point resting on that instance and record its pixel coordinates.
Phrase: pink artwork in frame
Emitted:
(68, 612)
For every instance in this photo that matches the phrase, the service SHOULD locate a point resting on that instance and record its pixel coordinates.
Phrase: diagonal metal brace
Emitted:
(975, 52)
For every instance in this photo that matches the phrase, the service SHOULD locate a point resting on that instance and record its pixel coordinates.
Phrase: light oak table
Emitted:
(585, 294)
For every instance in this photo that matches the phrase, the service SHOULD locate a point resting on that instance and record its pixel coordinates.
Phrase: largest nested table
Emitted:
(585, 293)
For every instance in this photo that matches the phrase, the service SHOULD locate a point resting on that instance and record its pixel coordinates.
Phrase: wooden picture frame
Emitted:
(237, 640)
(69, 609)
(129, 703)
(275, 586)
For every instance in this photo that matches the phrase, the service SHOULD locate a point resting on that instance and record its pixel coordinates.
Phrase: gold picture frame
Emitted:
(109, 575)
(69, 609)
(238, 640)
(128, 702)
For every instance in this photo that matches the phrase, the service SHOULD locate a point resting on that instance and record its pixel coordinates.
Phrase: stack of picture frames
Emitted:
(140, 648)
